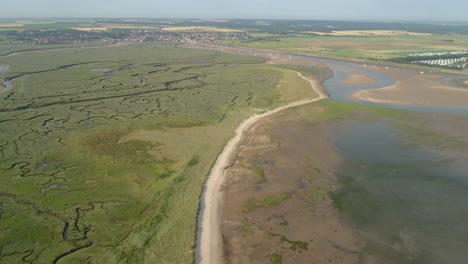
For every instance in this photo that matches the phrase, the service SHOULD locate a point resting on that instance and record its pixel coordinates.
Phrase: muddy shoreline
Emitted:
(276, 202)
(209, 235)
(280, 190)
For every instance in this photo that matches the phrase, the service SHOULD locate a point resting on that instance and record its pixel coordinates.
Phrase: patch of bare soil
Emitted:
(276, 203)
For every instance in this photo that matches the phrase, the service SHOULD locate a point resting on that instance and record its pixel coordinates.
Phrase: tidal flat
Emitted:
(404, 200)
(335, 182)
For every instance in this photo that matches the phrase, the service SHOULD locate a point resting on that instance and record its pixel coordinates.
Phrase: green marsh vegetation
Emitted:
(8, 48)
(104, 151)
(271, 200)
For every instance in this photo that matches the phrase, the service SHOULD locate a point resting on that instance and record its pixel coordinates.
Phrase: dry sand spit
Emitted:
(210, 236)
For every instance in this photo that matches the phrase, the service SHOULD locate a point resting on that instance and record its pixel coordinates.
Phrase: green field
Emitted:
(369, 48)
(104, 151)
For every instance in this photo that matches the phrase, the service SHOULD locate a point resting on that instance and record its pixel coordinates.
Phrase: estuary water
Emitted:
(341, 91)
(409, 205)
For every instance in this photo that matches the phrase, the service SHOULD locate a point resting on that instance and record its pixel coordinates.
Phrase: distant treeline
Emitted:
(298, 26)
(114, 33)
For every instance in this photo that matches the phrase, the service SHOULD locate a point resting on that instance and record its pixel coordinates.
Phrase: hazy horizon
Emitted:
(381, 10)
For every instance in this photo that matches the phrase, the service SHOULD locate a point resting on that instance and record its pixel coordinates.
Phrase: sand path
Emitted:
(210, 243)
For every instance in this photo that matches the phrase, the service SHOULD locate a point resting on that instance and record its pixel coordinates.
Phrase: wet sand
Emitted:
(359, 78)
(415, 87)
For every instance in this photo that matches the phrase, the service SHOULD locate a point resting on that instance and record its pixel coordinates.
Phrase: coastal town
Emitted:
(76, 36)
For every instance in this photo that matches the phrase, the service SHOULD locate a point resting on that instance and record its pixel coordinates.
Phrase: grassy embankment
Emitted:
(104, 151)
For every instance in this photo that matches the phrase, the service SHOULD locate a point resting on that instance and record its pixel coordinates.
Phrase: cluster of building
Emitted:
(144, 36)
(130, 36)
(456, 63)
(428, 54)
(449, 59)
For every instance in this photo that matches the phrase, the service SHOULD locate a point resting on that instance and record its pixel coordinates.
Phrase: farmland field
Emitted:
(104, 151)
(371, 47)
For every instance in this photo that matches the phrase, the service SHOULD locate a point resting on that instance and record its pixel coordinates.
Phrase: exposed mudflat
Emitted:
(210, 245)
(276, 195)
(284, 190)
(290, 199)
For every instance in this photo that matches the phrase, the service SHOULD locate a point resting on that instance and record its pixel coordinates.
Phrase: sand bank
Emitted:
(414, 87)
(357, 78)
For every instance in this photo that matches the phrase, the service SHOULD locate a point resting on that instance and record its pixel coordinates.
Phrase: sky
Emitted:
(428, 10)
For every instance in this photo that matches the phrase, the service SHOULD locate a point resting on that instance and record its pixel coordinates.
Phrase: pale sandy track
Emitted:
(210, 245)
